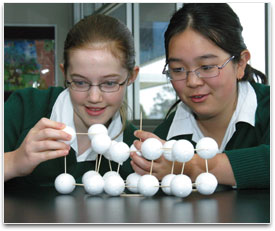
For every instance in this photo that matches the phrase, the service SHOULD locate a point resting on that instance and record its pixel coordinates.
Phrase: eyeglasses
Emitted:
(207, 71)
(108, 86)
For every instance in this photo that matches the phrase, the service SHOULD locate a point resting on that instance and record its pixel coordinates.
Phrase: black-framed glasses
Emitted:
(107, 86)
(206, 71)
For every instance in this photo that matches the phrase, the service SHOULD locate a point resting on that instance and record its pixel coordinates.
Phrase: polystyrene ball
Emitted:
(107, 154)
(167, 150)
(207, 148)
(96, 129)
(94, 184)
(206, 183)
(133, 149)
(183, 150)
(165, 183)
(110, 173)
(132, 181)
(88, 174)
(101, 143)
(114, 185)
(151, 149)
(64, 183)
(70, 131)
(120, 152)
(148, 185)
(181, 185)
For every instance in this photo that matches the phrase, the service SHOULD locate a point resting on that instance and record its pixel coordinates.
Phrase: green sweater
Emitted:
(249, 148)
(23, 110)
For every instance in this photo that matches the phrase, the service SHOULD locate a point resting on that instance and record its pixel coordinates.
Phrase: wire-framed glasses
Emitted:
(206, 71)
(108, 86)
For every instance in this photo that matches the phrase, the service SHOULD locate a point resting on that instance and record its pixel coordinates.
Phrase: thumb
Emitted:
(143, 135)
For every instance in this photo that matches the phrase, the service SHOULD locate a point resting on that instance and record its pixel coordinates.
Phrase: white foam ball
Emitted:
(165, 183)
(64, 183)
(134, 149)
(151, 149)
(110, 173)
(181, 185)
(120, 152)
(107, 154)
(132, 181)
(148, 185)
(168, 152)
(183, 150)
(207, 148)
(96, 129)
(88, 174)
(114, 185)
(206, 183)
(70, 131)
(101, 143)
(94, 184)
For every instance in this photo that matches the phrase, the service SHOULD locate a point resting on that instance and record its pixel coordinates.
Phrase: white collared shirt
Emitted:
(63, 112)
(184, 122)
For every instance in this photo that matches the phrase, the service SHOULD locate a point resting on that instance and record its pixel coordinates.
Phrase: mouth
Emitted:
(198, 98)
(95, 111)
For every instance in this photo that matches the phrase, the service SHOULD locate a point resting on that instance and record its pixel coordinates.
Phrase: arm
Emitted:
(40, 144)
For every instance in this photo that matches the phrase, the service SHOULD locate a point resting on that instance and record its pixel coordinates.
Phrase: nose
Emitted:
(95, 94)
(192, 80)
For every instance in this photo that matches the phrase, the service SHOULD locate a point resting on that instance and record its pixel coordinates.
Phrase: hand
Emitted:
(41, 143)
(161, 166)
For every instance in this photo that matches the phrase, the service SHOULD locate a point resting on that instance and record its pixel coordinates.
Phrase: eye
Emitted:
(178, 70)
(80, 83)
(207, 67)
(109, 84)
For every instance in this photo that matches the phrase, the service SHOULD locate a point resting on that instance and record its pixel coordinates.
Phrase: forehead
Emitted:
(192, 44)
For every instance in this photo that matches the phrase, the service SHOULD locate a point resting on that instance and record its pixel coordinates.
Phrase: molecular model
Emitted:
(147, 185)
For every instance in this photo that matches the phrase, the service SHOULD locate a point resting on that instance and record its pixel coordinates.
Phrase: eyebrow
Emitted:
(202, 57)
(84, 77)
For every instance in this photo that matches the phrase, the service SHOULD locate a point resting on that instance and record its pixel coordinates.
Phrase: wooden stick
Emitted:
(206, 165)
(140, 122)
(118, 168)
(110, 165)
(96, 162)
(131, 195)
(151, 169)
(182, 168)
(172, 170)
(99, 162)
(79, 184)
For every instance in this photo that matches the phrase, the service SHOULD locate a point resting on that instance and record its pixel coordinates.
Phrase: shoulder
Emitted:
(128, 135)
(262, 91)
(162, 130)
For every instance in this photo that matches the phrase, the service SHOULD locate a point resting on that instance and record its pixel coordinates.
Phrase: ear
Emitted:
(245, 57)
(61, 65)
(133, 76)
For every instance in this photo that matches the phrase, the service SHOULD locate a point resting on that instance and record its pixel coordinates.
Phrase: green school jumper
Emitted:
(23, 110)
(249, 148)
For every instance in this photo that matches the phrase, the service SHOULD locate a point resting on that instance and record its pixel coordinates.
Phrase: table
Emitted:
(45, 205)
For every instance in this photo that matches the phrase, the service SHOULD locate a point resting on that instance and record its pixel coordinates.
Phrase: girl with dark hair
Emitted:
(99, 64)
(220, 96)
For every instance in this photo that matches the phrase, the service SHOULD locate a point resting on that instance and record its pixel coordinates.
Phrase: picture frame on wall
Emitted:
(29, 56)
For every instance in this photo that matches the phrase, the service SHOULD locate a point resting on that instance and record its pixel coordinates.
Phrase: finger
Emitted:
(143, 135)
(141, 162)
(47, 145)
(47, 123)
(52, 134)
(137, 144)
(137, 169)
(54, 154)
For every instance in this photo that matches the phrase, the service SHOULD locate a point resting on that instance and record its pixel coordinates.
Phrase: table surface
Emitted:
(45, 205)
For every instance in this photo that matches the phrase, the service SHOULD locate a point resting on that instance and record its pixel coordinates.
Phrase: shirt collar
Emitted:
(184, 122)
(63, 112)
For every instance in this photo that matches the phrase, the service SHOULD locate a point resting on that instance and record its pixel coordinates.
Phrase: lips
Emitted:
(95, 111)
(198, 98)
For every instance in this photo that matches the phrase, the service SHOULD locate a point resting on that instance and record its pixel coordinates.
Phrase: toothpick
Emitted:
(76, 184)
(206, 165)
(65, 164)
(99, 162)
(172, 170)
(96, 160)
(151, 169)
(110, 165)
(182, 168)
(118, 167)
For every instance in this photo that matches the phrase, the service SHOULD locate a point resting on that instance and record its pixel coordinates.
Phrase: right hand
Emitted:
(42, 143)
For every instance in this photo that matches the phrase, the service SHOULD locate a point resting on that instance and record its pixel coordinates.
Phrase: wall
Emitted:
(59, 14)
